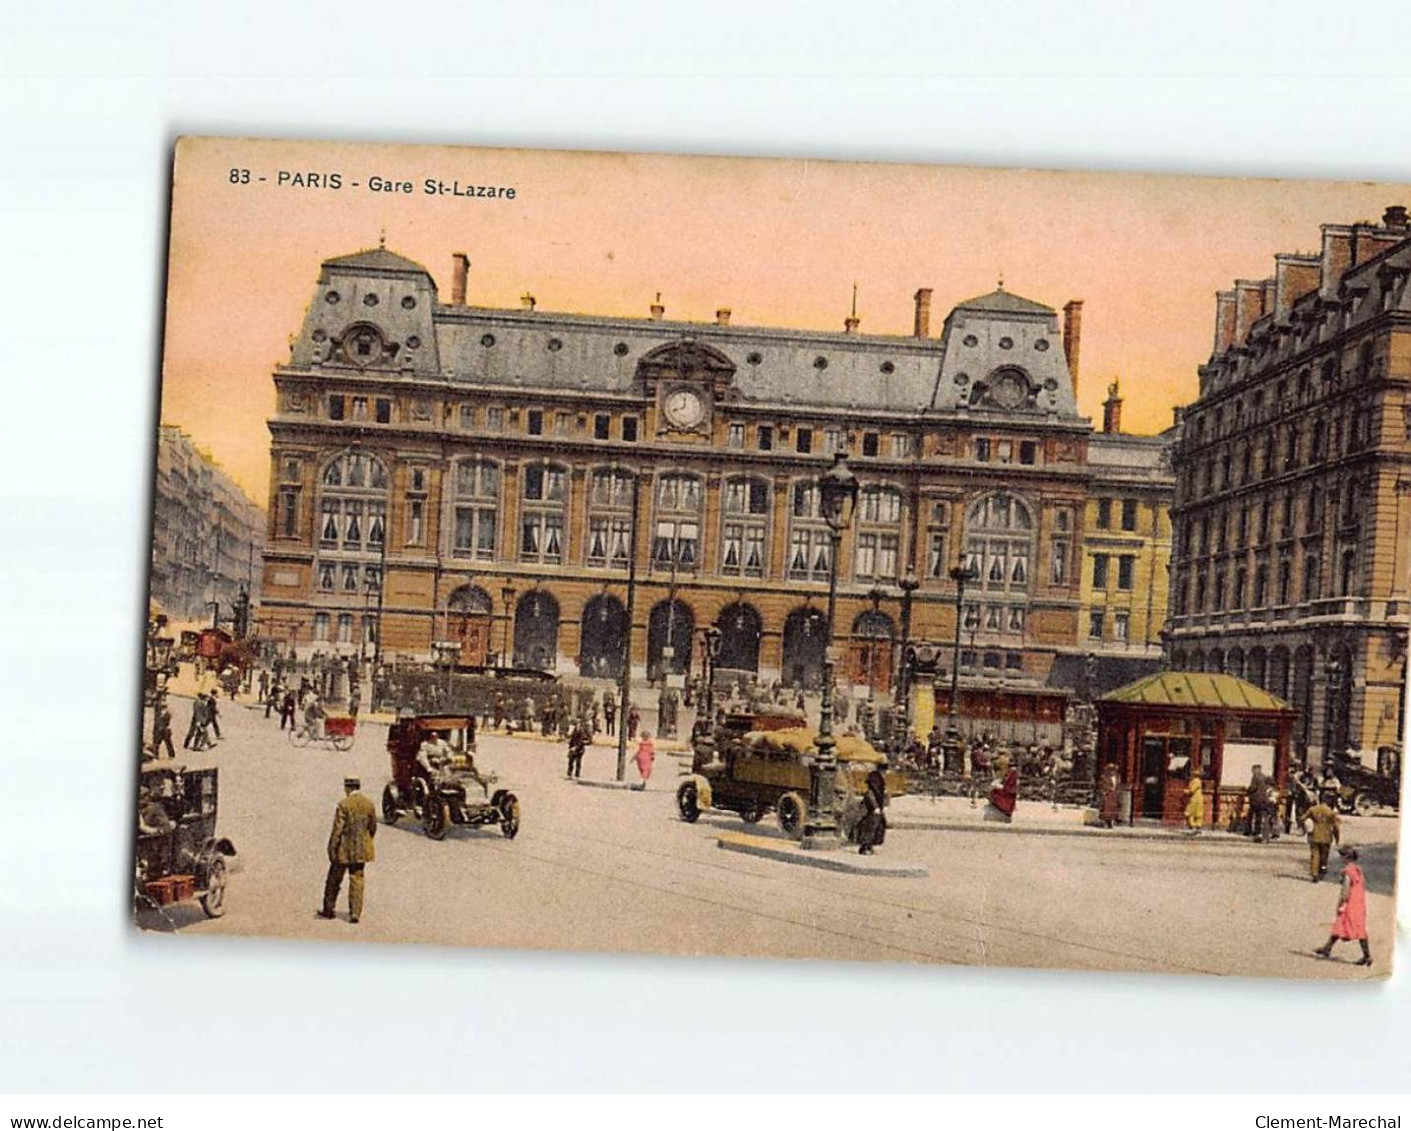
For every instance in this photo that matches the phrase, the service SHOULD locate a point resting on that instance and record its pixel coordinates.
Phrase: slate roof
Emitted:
(378, 259)
(1002, 302)
(1197, 689)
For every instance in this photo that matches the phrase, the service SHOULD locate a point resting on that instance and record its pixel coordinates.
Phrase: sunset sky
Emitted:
(779, 242)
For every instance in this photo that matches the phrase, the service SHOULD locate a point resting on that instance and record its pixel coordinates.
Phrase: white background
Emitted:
(91, 97)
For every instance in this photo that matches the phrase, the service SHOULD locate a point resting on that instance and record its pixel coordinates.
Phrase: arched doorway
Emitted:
(1279, 673)
(870, 651)
(1302, 700)
(805, 642)
(536, 631)
(740, 632)
(604, 638)
(1339, 701)
(469, 621)
(670, 622)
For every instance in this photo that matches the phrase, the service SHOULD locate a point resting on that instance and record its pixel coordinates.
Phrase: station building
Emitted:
(511, 479)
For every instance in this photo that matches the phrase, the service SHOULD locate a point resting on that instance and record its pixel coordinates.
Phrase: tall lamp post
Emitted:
(703, 733)
(507, 595)
(1334, 674)
(908, 584)
(838, 497)
(962, 575)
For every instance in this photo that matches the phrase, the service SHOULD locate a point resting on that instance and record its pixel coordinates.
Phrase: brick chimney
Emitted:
(1112, 410)
(922, 325)
(722, 316)
(458, 278)
(1073, 336)
(658, 311)
(1224, 321)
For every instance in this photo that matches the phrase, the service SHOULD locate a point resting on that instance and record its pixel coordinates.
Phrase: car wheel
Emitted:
(213, 902)
(752, 813)
(1367, 805)
(509, 816)
(390, 813)
(792, 811)
(435, 818)
(688, 802)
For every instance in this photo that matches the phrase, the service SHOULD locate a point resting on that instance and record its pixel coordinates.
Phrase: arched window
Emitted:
(352, 524)
(998, 552)
(544, 500)
(879, 533)
(810, 541)
(475, 508)
(609, 518)
(676, 540)
(744, 529)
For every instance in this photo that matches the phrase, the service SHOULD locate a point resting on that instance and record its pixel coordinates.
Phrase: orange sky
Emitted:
(779, 242)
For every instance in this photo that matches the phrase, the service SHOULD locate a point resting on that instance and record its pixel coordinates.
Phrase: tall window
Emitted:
(609, 518)
(476, 508)
(1310, 577)
(677, 537)
(742, 533)
(810, 545)
(1129, 514)
(998, 549)
(541, 522)
(353, 492)
(938, 554)
(879, 533)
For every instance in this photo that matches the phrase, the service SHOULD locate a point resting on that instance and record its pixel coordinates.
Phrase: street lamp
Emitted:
(1334, 674)
(908, 584)
(837, 489)
(507, 594)
(961, 574)
(703, 732)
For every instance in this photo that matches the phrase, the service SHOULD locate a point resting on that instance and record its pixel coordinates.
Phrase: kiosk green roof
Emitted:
(1197, 689)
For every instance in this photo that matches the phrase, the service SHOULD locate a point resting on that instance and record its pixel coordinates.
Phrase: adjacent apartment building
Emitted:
(1293, 497)
(504, 477)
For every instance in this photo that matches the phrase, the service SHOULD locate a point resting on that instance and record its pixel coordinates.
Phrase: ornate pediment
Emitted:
(687, 360)
(1009, 389)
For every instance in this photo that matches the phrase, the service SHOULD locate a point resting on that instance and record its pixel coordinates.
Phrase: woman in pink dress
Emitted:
(1351, 922)
(645, 756)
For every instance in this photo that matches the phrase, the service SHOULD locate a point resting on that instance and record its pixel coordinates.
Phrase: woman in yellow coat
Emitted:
(1195, 805)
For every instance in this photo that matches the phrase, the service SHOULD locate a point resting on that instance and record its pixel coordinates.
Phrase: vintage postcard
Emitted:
(779, 558)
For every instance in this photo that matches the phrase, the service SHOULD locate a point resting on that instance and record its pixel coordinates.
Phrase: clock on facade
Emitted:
(684, 408)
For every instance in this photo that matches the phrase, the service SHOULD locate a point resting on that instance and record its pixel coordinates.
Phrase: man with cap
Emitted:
(350, 848)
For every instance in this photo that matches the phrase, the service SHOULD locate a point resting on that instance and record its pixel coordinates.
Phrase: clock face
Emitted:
(684, 408)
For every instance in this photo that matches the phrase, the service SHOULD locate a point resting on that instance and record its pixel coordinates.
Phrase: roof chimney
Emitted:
(1112, 410)
(922, 327)
(1395, 216)
(658, 311)
(527, 301)
(1072, 336)
(458, 276)
(722, 316)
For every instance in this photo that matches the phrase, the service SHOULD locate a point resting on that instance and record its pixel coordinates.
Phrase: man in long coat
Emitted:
(350, 848)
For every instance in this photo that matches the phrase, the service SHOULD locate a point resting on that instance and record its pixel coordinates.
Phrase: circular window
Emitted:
(1050, 384)
(620, 349)
(888, 367)
(555, 344)
(320, 336)
(369, 300)
(408, 302)
(332, 297)
(1041, 345)
(971, 340)
(820, 363)
(962, 379)
(413, 342)
(487, 340)
(1006, 343)
(755, 358)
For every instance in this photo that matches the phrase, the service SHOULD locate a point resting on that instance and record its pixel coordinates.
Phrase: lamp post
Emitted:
(666, 697)
(703, 732)
(961, 574)
(908, 584)
(1334, 674)
(507, 595)
(838, 500)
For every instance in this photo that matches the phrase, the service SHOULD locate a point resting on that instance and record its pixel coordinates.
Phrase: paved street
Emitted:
(605, 869)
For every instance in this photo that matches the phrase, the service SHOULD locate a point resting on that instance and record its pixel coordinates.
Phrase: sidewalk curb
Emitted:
(1220, 840)
(788, 852)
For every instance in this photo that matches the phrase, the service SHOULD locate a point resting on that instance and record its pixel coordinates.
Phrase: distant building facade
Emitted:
(207, 536)
(444, 471)
(1293, 504)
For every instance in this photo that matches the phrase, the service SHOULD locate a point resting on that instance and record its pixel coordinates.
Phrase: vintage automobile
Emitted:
(443, 794)
(179, 855)
(755, 762)
(1361, 790)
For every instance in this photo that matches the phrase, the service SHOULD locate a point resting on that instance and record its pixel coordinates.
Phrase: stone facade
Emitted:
(1293, 504)
(451, 471)
(207, 536)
